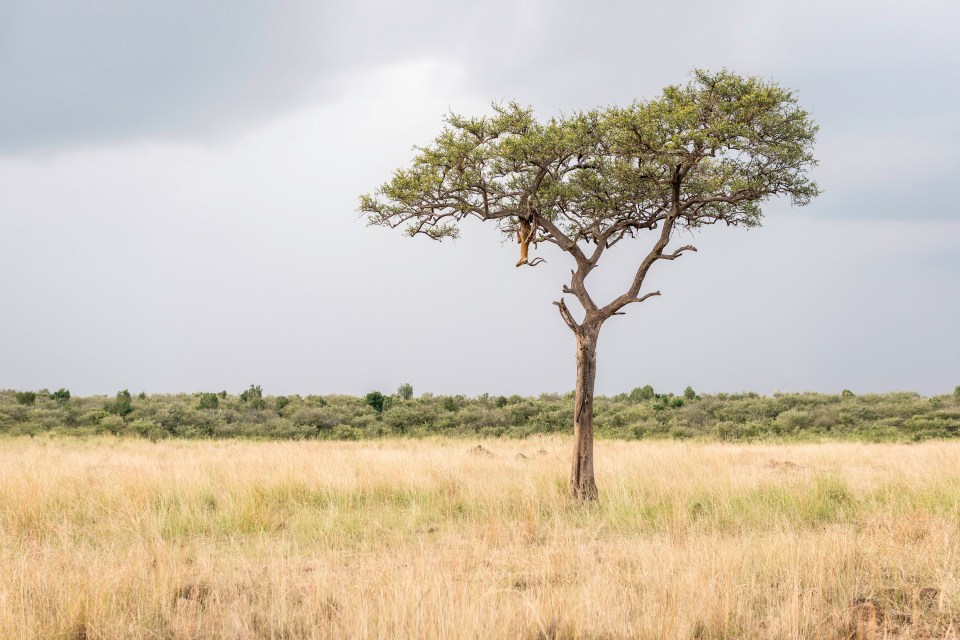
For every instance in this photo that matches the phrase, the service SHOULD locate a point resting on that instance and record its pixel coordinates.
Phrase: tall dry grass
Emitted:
(109, 538)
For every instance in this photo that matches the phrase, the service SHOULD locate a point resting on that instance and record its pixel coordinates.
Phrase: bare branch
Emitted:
(534, 262)
(632, 300)
(676, 254)
(561, 239)
(644, 297)
(566, 315)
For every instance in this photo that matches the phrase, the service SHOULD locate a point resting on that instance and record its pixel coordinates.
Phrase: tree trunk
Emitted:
(582, 484)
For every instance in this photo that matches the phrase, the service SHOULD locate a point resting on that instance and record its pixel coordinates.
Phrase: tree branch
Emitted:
(640, 299)
(562, 240)
(567, 316)
(676, 254)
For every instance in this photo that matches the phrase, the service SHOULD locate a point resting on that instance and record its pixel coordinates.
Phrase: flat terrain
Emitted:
(123, 538)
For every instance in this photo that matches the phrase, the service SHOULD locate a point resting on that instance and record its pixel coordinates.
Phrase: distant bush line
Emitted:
(642, 413)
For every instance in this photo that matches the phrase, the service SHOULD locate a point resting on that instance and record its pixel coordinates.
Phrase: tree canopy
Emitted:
(602, 175)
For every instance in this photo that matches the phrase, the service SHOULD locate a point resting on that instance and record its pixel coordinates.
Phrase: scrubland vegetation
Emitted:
(107, 538)
(641, 413)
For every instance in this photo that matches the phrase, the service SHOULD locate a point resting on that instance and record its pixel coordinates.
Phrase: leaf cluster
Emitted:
(711, 150)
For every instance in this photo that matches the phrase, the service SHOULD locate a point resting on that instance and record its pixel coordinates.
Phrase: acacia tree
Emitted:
(711, 150)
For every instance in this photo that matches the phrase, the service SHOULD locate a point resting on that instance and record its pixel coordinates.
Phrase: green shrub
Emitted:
(642, 393)
(315, 400)
(254, 397)
(208, 401)
(375, 399)
(122, 405)
(111, 424)
(405, 391)
(25, 397)
(689, 393)
(280, 403)
(61, 396)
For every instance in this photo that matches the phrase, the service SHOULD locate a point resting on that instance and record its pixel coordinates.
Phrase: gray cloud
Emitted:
(177, 186)
(876, 79)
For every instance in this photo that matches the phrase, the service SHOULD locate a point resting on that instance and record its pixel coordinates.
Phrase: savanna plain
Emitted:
(106, 537)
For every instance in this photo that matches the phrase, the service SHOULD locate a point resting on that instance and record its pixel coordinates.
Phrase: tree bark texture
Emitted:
(582, 483)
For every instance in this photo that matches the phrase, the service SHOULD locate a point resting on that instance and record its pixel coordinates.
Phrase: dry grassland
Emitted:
(106, 539)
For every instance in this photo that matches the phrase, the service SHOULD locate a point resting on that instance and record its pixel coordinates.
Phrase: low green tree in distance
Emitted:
(642, 393)
(706, 152)
(846, 393)
(280, 403)
(61, 396)
(376, 400)
(208, 401)
(956, 393)
(122, 405)
(689, 393)
(254, 397)
(26, 397)
(405, 391)
(727, 417)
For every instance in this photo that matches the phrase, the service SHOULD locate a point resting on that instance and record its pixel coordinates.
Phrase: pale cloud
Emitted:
(864, 161)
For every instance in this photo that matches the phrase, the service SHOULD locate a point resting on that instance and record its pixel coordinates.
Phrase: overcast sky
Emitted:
(179, 183)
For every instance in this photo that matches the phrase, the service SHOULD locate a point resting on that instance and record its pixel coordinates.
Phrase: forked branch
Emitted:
(632, 300)
(566, 315)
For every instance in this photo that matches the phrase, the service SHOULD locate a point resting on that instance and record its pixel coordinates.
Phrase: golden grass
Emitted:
(106, 539)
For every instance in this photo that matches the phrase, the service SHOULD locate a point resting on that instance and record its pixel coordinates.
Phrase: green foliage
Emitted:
(730, 141)
(689, 393)
(208, 401)
(254, 397)
(26, 397)
(142, 395)
(405, 391)
(316, 400)
(61, 396)
(253, 393)
(122, 405)
(846, 393)
(903, 417)
(956, 393)
(375, 399)
(642, 393)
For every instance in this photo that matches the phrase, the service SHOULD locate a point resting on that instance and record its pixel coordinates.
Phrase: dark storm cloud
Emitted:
(99, 71)
(77, 73)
